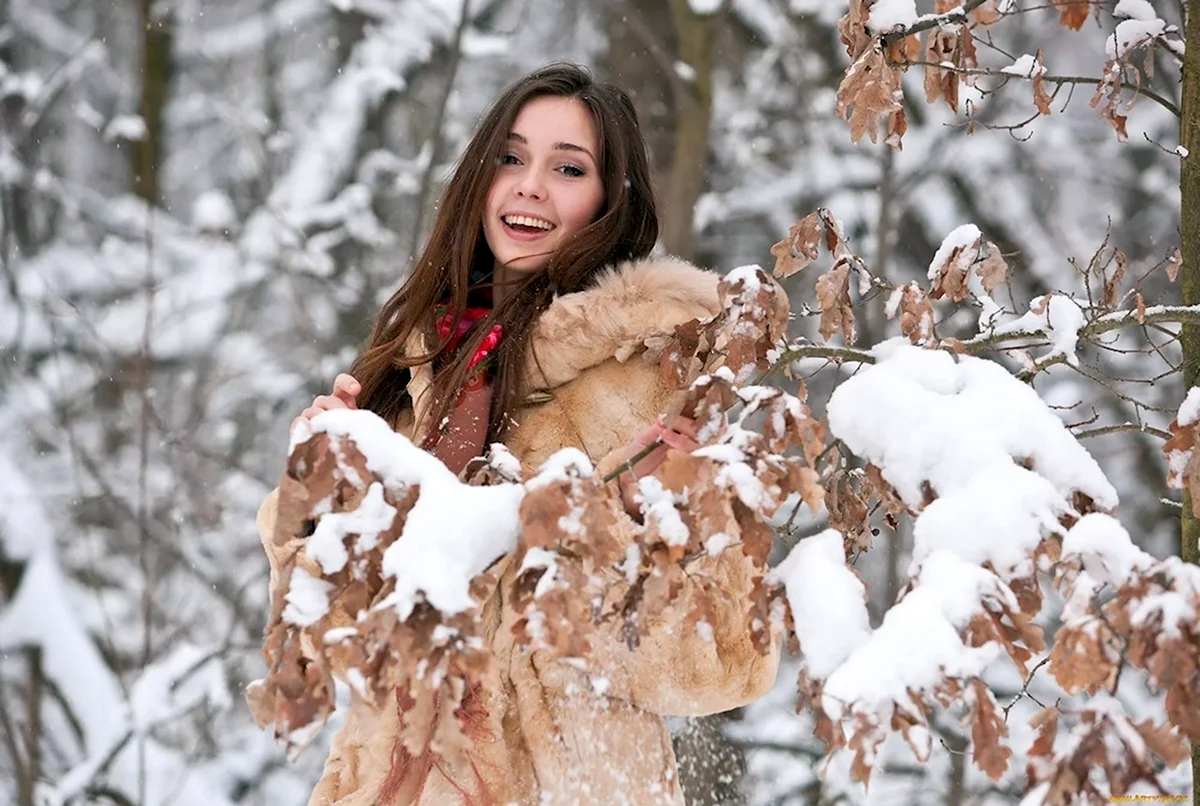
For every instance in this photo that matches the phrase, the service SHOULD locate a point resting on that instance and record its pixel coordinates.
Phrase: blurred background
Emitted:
(204, 202)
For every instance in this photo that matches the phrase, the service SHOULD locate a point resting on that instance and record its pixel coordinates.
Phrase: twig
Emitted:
(1123, 428)
(1165, 103)
(1024, 692)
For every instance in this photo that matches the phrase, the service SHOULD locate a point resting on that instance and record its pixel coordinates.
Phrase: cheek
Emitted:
(583, 206)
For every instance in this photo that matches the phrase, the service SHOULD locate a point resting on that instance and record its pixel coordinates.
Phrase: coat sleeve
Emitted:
(682, 669)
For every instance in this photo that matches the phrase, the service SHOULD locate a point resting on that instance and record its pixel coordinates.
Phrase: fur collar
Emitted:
(628, 304)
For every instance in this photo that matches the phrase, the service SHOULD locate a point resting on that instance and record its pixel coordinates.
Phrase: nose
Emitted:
(530, 186)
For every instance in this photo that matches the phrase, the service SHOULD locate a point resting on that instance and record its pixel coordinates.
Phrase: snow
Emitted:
(24, 529)
(888, 14)
(1130, 34)
(1189, 410)
(827, 601)
(917, 645)
(1026, 66)
(1058, 316)
(126, 127)
(541, 558)
(213, 210)
(40, 615)
(560, 467)
(998, 515)
(1135, 10)
(186, 678)
(702, 8)
(960, 237)
(372, 516)
(452, 533)
(307, 599)
(658, 505)
(1107, 552)
(717, 543)
(934, 431)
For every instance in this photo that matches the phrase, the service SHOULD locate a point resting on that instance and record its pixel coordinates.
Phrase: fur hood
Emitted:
(627, 304)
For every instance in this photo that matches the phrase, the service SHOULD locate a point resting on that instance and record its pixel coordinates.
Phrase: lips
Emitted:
(525, 228)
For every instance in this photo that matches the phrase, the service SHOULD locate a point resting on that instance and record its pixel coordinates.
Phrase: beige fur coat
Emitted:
(555, 734)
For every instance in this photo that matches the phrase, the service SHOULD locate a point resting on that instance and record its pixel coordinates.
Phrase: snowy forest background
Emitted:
(204, 202)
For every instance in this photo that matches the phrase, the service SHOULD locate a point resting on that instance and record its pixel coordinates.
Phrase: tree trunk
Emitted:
(689, 162)
(1189, 138)
(156, 66)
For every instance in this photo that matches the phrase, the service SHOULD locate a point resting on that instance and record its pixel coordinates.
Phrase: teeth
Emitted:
(526, 221)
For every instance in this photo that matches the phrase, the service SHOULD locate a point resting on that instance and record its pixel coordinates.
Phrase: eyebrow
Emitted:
(556, 147)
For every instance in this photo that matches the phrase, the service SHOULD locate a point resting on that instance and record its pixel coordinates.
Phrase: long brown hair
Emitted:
(456, 259)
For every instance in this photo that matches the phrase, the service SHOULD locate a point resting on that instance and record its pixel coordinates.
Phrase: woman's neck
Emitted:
(500, 286)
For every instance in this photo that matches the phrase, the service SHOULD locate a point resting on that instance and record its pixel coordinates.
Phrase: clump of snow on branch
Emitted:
(452, 533)
(1026, 66)
(886, 15)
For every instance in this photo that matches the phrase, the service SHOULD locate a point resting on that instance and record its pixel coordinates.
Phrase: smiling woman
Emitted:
(518, 325)
(546, 188)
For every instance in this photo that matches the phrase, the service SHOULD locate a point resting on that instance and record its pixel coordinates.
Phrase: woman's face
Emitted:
(548, 183)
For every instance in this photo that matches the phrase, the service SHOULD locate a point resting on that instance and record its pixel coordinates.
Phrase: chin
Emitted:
(527, 264)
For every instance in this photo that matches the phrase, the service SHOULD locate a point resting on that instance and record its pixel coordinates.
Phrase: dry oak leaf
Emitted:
(872, 88)
(1174, 261)
(1073, 13)
(1041, 98)
(916, 312)
(1112, 283)
(987, 730)
(833, 299)
(948, 46)
(852, 28)
(800, 248)
(993, 271)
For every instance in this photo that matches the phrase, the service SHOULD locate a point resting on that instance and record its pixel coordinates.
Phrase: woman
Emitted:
(515, 326)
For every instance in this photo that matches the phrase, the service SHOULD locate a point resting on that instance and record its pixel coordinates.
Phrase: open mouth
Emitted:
(525, 227)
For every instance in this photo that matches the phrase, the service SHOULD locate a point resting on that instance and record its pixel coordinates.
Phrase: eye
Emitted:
(573, 171)
(509, 159)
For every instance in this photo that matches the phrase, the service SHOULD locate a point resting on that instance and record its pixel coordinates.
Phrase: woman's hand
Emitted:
(345, 389)
(680, 435)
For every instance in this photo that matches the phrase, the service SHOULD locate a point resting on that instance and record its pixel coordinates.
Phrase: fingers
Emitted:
(684, 425)
(650, 462)
(680, 442)
(346, 388)
(324, 403)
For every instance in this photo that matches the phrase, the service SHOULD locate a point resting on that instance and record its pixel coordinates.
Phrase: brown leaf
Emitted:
(1041, 98)
(916, 312)
(833, 298)
(984, 15)
(987, 729)
(872, 89)
(1113, 282)
(1174, 261)
(941, 48)
(1072, 13)
(952, 278)
(1084, 659)
(1163, 741)
(1141, 307)
(800, 248)
(852, 28)
(993, 271)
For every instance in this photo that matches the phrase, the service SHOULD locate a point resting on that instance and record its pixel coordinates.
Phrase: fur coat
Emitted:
(552, 733)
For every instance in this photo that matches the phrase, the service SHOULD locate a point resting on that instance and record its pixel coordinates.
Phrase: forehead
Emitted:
(550, 119)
